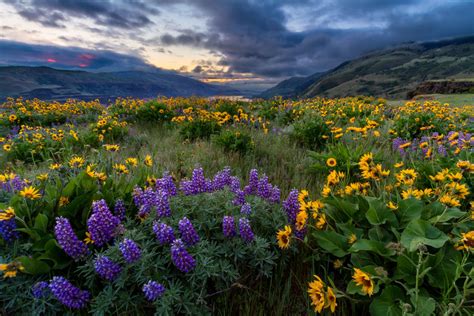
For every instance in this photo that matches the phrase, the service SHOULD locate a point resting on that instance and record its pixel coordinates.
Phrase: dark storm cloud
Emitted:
(253, 36)
(53, 13)
(22, 54)
(270, 38)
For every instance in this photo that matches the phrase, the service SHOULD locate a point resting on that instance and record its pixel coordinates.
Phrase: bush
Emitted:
(237, 141)
(192, 130)
(311, 132)
(154, 112)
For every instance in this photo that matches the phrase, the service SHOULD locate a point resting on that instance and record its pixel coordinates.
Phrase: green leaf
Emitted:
(332, 242)
(41, 222)
(444, 268)
(34, 266)
(373, 246)
(409, 210)
(420, 232)
(387, 303)
(378, 213)
(425, 305)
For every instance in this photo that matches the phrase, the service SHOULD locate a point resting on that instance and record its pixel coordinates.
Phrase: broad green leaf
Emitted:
(378, 213)
(332, 242)
(409, 210)
(387, 304)
(420, 232)
(41, 222)
(34, 266)
(372, 246)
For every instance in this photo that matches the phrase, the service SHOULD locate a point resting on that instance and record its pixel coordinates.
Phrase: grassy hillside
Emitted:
(392, 73)
(48, 83)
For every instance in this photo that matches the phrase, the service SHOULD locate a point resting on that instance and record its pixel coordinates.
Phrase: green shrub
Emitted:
(155, 112)
(310, 132)
(237, 141)
(192, 130)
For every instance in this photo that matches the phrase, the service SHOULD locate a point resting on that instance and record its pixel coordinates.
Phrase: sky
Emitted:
(219, 40)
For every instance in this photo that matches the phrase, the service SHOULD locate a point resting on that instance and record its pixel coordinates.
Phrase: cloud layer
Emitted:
(264, 38)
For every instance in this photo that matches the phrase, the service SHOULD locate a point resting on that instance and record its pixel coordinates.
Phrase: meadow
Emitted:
(349, 206)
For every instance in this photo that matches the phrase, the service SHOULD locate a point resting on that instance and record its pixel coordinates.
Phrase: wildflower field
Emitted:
(193, 206)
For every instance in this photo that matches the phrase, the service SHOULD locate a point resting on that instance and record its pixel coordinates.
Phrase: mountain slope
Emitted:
(394, 72)
(49, 83)
(291, 87)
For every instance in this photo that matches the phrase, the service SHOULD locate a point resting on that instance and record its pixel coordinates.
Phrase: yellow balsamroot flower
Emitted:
(30, 193)
(352, 239)
(7, 214)
(326, 191)
(284, 237)
(63, 200)
(55, 166)
(472, 210)
(331, 162)
(10, 269)
(301, 218)
(148, 161)
(316, 293)
(392, 206)
(458, 190)
(334, 177)
(42, 177)
(76, 162)
(7, 147)
(403, 146)
(131, 161)
(449, 200)
(112, 148)
(321, 221)
(12, 118)
(74, 135)
(88, 239)
(406, 176)
(331, 300)
(463, 164)
(364, 280)
(440, 176)
(455, 176)
(399, 164)
(337, 264)
(120, 168)
(467, 240)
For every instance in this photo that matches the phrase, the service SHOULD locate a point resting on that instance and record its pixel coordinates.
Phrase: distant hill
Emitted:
(53, 84)
(291, 87)
(390, 73)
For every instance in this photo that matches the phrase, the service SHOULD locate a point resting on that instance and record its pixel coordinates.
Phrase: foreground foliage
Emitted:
(106, 209)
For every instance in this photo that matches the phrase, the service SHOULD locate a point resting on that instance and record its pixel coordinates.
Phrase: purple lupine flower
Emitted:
(251, 188)
(130, 250)
(442, 150)
(144, 200)
(246, 232)
(300, 233)
(264, 188)
(246, 209)
(106, 268)
(164, 233)
(396, 143)
(196, 185)
(292, 206)
(275, 195)
(181, 258)
(153, 290)
(68, 294)
(228, 226)
(188, 233)
(8, 227)
(166, 184)
(68, 240)
(234, 184)
(239, 198)
(13, 185)
(119, 209)
(102, 224)
(162, 204)
(221, 179)
(39, 289)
